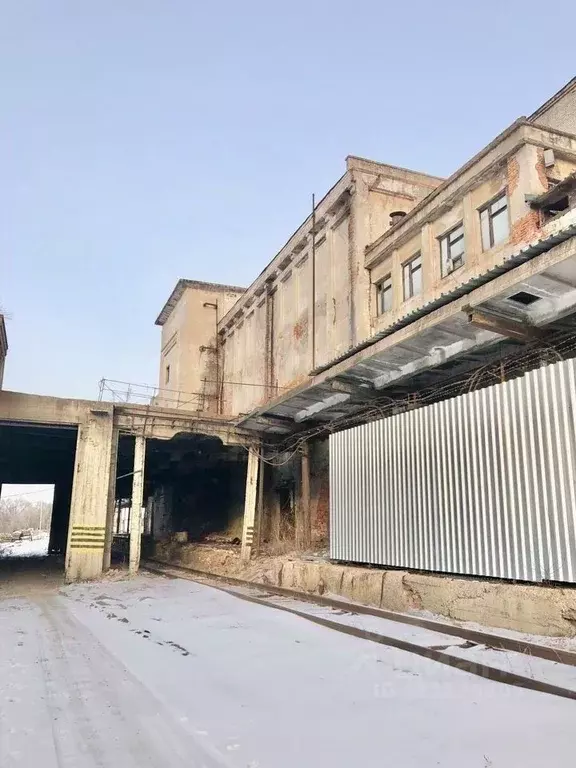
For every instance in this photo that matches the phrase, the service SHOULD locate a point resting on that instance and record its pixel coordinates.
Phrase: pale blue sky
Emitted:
(144, 141)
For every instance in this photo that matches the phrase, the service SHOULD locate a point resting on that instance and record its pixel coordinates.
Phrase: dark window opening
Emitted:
(525, 298)
(412, 276)
(494, 222)
(167, 377)
(452, 250)
(384, 295)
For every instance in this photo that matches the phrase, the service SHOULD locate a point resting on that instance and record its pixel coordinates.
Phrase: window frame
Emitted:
(445, 237)
(380, 293)
(407, 265)
(486, 209)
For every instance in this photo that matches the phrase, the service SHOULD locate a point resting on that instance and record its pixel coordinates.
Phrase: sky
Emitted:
(27, 491)
(144, 141)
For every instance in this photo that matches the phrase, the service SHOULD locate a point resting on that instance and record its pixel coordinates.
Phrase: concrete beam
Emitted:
(137, 500)
(332, 400)
(436, 357)
(20, 407)
(502, 325)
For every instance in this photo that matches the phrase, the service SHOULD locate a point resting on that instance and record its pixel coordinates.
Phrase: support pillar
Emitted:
(259, 520)
(86, 531)
(137, 499)
(111, 503)
(303, 526)
(250, 504)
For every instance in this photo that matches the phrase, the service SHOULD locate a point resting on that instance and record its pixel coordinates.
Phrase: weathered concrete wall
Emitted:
(377, 193)
(189, 353)
(280, 327)
(88, 512)
(535, 609)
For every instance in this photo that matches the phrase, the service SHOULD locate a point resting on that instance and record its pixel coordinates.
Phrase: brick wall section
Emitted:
(527, 228)
(513, 174)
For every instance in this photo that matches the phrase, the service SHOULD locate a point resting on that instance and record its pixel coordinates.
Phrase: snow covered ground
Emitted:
(25, 548)
(171, 673)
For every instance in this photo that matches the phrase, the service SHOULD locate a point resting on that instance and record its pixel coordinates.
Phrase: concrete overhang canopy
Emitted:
(182, 285)
(430, 346)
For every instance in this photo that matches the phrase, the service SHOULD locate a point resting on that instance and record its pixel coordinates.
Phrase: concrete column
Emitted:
(111, 502)
(303, 528)
(250, 504)
(86, 531)
(137, 499)
(259, 522)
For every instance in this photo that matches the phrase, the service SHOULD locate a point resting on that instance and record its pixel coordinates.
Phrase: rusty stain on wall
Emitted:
(300, 329)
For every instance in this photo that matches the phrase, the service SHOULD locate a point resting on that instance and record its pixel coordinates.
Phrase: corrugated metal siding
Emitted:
(483, 484)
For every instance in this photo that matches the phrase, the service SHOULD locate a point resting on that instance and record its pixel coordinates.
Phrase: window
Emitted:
(167, 375)
(412, 276)
(494, 222)
(384, 295)
(452, 250)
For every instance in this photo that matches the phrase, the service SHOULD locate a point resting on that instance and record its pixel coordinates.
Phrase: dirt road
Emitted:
(159, 673)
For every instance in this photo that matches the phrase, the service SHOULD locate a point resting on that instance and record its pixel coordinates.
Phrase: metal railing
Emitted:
(147, 394)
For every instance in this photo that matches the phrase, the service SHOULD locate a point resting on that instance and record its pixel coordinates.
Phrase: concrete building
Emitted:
(383, 244)
(398, 285)
(449, 252)
(398, 291)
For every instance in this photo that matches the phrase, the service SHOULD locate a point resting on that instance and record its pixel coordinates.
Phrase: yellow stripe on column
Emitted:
(88, 528)
(87, 537)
